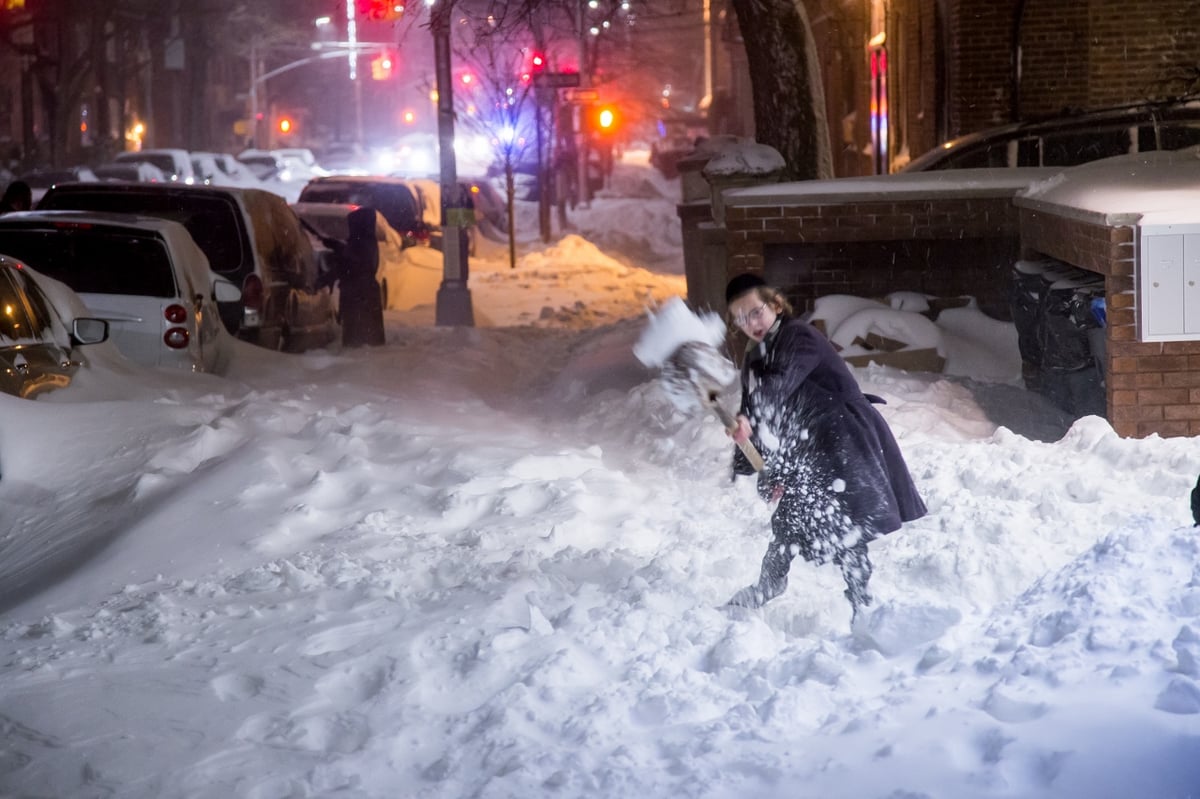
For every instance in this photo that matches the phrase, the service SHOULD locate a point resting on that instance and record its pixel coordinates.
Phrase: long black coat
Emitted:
(826, 447)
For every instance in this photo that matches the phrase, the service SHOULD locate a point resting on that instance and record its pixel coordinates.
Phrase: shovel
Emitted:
(697, 371)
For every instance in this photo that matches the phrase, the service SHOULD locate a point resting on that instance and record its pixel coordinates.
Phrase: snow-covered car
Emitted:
(264, 164)
(209, 172)
(38, 345)
(145, 276)
(176, 164)
(252, 238)
(301, 154)
(134, 172)
(332, 221)
(239, 173)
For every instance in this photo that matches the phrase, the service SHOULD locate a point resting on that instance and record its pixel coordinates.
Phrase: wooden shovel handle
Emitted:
(748, 448)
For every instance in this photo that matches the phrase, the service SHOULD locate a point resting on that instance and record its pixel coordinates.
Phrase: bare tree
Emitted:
(496, 99)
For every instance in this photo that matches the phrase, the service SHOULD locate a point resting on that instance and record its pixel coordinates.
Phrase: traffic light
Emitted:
(606, 119)
(379, 10)
(535, 64)
(285, 125)
(382, 66)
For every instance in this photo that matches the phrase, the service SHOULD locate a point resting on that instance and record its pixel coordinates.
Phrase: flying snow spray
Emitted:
(684, 346)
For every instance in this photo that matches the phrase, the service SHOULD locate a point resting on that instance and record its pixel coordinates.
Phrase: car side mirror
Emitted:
(89, 331)
(225, 291)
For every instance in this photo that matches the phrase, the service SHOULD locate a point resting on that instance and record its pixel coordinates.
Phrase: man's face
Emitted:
(752, 314)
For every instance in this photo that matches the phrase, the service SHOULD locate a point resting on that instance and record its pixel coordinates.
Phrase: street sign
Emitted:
(556, 80)
(581, 96)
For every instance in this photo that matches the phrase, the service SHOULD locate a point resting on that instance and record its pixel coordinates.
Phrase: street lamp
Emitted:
(339, 49)
(453, 304)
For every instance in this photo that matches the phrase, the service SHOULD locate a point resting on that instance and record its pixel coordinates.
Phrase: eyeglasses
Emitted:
(753, 315)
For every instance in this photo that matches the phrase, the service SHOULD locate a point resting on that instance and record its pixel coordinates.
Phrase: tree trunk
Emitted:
(785, 76)
(510, 191)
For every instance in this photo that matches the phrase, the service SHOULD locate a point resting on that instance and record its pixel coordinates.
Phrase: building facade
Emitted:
(902, 76)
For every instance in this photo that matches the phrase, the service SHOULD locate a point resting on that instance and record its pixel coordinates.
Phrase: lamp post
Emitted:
(339, 50)
(453, 296)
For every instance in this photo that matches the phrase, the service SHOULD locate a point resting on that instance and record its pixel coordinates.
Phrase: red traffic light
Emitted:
(379, 10)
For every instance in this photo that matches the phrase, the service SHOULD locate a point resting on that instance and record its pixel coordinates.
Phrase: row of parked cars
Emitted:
(282, 171)
(172, 265)
(171, 273)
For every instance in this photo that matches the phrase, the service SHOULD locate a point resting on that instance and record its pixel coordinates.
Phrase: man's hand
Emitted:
(741, 431)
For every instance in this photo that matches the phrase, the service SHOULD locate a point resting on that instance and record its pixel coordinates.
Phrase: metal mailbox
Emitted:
(1169, 282)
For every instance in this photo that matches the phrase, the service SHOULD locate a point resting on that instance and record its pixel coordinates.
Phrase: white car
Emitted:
(139, 172)
(239, 173)
(175, 164)
(144, 275)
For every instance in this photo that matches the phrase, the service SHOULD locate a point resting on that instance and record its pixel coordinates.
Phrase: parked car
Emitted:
(331, 221)
(1069, 140)
(251, 238)
(38, 343)
(208, 172)
(39, 181)
(236, 170)
(145, 276)
(264, 164)
(134, 172)
(491, 212)
(302, 154)
(395, 198)
(344, 157)
(175, 164)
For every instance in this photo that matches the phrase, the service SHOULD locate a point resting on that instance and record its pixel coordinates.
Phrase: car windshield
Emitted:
(95, 261)
(211, 220)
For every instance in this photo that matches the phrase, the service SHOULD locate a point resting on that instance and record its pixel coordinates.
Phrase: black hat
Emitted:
(741, 284)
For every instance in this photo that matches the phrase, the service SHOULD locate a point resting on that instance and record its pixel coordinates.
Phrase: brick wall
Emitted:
(980, 69)
(949, 247)
(1153, 388)
(1054, 64)
(1149, 54)
(953, 61)
(944, 247)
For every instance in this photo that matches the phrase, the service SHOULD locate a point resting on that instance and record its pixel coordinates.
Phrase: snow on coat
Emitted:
(826, 447)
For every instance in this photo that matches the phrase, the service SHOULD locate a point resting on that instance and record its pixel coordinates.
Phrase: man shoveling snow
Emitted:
(829, 459)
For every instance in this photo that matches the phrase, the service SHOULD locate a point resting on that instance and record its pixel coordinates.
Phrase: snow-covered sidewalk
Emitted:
(489, 562)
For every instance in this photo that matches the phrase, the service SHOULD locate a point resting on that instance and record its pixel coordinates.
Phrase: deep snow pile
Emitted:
(488, 562)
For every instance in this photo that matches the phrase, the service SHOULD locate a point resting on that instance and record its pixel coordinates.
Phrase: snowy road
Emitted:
(489, 563)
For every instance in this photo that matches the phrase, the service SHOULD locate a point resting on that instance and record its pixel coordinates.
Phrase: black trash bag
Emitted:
(1025, 292)
(1070, 374)
(360, 303)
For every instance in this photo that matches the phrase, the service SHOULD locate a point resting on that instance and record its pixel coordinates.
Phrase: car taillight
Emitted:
(175, 314)
(252, 293)
(176, 338)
